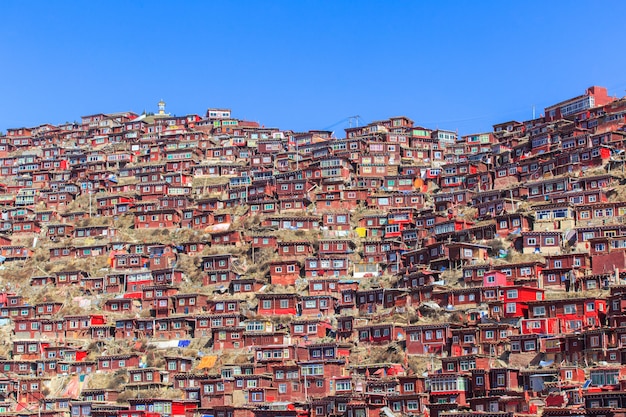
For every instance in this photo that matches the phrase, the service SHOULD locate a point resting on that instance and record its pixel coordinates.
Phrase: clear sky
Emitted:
(301, 65)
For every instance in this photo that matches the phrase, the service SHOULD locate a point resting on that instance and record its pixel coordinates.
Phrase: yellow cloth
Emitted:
(207, 362)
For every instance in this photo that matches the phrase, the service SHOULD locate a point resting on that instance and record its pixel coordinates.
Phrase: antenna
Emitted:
(533, 112)
(356, 118)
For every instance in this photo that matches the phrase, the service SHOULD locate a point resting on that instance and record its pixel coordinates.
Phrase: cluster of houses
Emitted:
(203, 265)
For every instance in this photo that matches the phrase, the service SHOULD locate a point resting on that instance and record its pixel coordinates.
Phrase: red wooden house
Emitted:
(150, 293)
(168, 328)
(379, 333)
(166, 276)
(422, 339)
(522, 271)
(277, 304)
(375, 251)
(548, 242)
(561, 267)
(574, 314)
(59, 231)
(284, 272)
(326, 266)
(158, 219)
(219, 269)
(119, 305)
(227, 237)
(189, 303)
(448, 388)
(64, 278)
(511, 301)
(129, 261)
(226, 338)
(56, 199)
(335, 246)
(292, 222)
(317, 305)
(25, 226)
(149, 191)
(336, 220)
(205, 323)
(323, 286)
(112, 363)
(294, 248)
(263, 241)
(109, 205)
(94, 231)
(147, 378)
(15, 253)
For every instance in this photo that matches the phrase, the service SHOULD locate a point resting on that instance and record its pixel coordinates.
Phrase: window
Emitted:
(569, 309)
(343, 386)
(412, 405)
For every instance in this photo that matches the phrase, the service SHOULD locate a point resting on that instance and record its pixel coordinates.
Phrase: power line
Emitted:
(345, 119)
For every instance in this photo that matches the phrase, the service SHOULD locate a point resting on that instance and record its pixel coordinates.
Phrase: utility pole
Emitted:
(174, 265)
(306, 395)
(397, 267)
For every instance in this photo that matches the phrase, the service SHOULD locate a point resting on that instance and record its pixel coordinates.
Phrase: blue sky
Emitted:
(303, 65)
